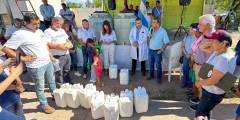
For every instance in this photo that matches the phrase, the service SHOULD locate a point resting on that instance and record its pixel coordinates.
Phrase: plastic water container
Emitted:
(141, 100)
(124, 77)
(113, 72)
(97, 105)
(126, 103)
(111, 109)
(59, 98)
(72, 98)
(86, 95)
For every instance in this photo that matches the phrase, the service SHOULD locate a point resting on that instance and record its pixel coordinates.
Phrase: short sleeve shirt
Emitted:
(222, 64)
(57, 37)
(32, 43)
(85, 34)
(10, 30)
(8, 98)
(68, 14)
(159, 38)
(108, 37)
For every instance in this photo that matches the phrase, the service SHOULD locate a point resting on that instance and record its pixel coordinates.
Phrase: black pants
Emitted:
(134, 64)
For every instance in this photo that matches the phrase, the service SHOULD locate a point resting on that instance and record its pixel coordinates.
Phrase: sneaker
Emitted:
(77, 74)
(85, 76)
(149, 78)
(193, 107)
(92, 81)
(194, 100)
(48, 109)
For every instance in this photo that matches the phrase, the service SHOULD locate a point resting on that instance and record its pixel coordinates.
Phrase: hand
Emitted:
(19, 88)
(53, 59)
(28, 58)
(198, 84)
(160, 51)
(68, 45)
(149, 37)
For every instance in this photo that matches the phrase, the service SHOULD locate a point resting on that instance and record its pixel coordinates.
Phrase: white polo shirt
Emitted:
(108, 37)
(57, 37)
(68, 14)
(85, 34)
(32, 43)
(10, 30)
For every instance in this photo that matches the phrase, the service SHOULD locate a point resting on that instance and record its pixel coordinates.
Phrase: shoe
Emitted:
(194, 100)
(144, 74)
(71, 82)
(149, 78)
(159, 81)
(85, 76)
(133, 72)
(92, 81)
(48, 109)
(193, 107)
(77, 74)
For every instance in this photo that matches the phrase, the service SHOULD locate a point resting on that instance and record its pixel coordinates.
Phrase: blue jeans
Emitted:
(87, 56)
(74, 61)
(17, 109)
(39, 75)
(7, 115)
(186, 81)
(207, 102)
(154, 57)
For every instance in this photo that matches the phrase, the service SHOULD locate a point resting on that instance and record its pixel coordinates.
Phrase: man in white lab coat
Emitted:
(139, 50)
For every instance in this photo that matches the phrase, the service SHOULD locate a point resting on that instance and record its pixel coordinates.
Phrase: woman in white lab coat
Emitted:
(139, 49)
(108, 39)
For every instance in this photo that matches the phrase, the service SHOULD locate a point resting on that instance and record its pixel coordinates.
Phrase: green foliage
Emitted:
(74, 5)
(223, 4)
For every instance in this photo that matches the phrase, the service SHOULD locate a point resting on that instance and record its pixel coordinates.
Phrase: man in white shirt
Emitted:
(59, 47)
(139, 49)
(84, 33)
(47, 11)
(17, 24)
(68, 16)
(33, 43)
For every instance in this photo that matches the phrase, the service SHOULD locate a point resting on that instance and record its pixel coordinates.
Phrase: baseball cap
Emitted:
(194, 26)
(220, 35)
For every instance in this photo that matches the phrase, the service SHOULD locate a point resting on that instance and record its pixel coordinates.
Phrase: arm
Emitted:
(213, 80)
(206, 47)
(11, 53)
(144, 39)
(131, 37)
(42, 12)
(53, 12)
(64, 46)
(15, 73)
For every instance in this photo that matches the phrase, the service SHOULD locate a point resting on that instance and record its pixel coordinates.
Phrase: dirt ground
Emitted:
(168, 101)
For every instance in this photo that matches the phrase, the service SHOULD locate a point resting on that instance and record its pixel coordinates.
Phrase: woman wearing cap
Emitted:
(211, 94)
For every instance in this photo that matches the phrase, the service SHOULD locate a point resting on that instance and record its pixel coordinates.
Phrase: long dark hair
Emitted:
(109, 28)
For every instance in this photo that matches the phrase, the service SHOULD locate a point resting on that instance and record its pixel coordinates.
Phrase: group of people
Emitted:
(149, 13)
(50, 54)
(205, 44)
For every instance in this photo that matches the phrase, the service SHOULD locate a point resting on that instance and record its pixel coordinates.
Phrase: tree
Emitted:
(74, 5)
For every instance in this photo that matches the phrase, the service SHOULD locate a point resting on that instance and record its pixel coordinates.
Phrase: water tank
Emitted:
(123, 24)
(96, 21)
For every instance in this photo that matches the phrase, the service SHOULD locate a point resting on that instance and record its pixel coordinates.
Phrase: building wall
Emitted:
(172, 11)
(26, 7)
